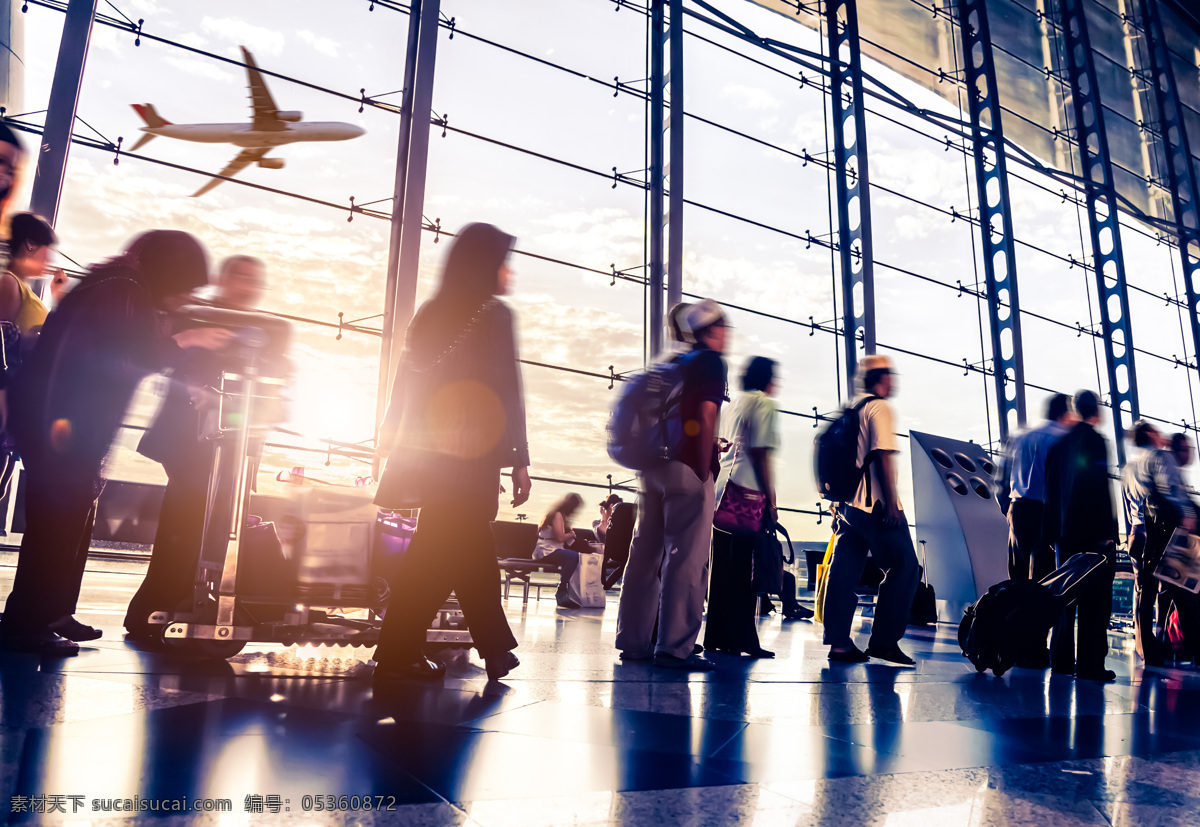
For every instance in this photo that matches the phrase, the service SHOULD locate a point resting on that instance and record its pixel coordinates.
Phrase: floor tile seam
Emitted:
(618, 747)
(501, 712)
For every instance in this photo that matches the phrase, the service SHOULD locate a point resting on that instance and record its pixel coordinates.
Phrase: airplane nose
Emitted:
(357, 130)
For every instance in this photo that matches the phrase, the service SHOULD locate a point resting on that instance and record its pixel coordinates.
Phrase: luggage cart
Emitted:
(223, 615)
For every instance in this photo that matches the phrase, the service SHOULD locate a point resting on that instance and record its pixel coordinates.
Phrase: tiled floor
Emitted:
(574, 736)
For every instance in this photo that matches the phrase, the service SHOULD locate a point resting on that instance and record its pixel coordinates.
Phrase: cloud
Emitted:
(324, 45)
(201, 68)
(255, 38)
(750, 97)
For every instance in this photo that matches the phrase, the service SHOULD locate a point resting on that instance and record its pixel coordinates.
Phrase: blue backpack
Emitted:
(835, 456)
(645, 429)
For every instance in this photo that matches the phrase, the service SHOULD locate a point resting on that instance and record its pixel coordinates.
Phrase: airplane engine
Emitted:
(271, 163)
(289, 115)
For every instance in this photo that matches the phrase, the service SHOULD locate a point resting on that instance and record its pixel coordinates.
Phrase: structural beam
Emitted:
(852, 180)
(408, 198)
(1181, 171)
(995, 217)
(665, 175)
(658, 82)
(1107, 259)
(60, 114)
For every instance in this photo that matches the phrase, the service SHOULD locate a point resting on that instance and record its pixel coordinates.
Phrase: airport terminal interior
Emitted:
(843, 178)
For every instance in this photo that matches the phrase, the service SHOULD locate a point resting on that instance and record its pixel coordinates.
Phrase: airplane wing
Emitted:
(261, 102)
(244, 159)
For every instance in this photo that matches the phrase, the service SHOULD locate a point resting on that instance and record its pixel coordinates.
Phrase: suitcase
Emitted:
(1013, 615)
(924, 605)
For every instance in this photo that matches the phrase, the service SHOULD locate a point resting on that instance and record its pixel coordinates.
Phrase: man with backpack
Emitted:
(667, 572)
(1080, 518)
(872, 520)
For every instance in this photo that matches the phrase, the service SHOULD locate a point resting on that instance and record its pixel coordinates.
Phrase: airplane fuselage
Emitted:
(246, 136)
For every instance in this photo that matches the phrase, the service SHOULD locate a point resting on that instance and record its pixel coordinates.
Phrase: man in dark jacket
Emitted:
(1080, 518)
(67, 405)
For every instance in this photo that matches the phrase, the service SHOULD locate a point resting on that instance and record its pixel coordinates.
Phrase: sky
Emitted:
(320, 264)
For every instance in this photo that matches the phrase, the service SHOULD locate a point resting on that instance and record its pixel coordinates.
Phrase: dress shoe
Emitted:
(500, 665)
(72, 629)
(761, 653)
(44, 642)
(765, 607)
(1102, 675)
(636, 657)
(798, 612)
(421, 669)
(851, 655)
(565, 602)
(892, 654)
(692, 663)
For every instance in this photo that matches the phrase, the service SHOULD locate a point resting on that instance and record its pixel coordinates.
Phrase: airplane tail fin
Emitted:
(142, 141)
(147, 113)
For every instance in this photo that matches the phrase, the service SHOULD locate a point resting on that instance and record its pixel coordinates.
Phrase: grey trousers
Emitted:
(667, 574)
(857, 531)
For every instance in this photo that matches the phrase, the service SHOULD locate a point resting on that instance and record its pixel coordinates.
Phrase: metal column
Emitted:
(1181, 171)
(1107, 259)
(654, 281)
(60, 115)
(674, 169)
(853, 185)
(412, 154)
(995, 218)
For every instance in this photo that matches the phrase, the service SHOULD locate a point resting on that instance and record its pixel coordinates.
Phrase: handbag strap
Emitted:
(791, 551)
(463, 336)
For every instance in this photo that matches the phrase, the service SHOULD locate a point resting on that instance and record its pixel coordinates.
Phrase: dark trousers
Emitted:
(171, 574)
(1093, 611)
(732, 619)
(60, 511)
(1028, 554)
(1153, 594)
(1145, 596)
(451, 551)
(567, 561)
(892, 549)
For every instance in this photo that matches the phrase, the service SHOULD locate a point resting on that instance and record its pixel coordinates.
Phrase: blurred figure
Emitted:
(752, 430)
(457, 416)
(1156, 503)
(600, 527)
(174, 439)
(554, 535)
(873, 521)
(1029, 555)
(1181, 449)
(1080, 518)
(12, 155)
(30, 242)
(70, 399)
(668, 562)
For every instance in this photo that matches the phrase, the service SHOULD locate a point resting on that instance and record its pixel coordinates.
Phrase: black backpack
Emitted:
(835, 456)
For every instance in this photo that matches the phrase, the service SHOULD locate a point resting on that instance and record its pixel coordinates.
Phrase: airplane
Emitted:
(270, 127)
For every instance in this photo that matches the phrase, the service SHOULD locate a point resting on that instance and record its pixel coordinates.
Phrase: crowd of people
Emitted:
(456, 419)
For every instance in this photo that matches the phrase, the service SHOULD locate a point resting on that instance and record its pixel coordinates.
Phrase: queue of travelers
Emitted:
(457, 419)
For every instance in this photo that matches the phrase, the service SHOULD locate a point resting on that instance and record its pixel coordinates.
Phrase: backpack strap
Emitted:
(866, 466)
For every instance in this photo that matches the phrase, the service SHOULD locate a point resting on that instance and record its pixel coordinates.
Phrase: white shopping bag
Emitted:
(1180, 564)
(587, 583)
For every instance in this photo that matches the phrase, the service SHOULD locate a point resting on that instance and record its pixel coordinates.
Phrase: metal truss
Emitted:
(995, 217)
(1107, 258)
(1181, 171)
(853, 183)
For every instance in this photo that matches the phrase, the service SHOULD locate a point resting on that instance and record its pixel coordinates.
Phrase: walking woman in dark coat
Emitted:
(456, 418)
(65, 408)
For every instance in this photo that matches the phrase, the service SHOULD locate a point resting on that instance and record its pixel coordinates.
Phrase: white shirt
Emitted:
(876, 433)
(751, 422)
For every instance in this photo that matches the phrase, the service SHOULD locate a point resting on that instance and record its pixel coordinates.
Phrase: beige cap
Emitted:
(876, 361)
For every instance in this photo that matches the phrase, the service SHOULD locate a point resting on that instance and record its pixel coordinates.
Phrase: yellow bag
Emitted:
(822, 580)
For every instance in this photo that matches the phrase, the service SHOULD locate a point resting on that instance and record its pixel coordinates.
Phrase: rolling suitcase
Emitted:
(1014, 614)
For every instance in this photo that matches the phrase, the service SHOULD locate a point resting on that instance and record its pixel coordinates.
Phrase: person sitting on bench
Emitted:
(555, 539)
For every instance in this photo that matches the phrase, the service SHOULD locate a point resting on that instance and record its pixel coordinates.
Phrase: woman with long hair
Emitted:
(456, 418)
(554, 538)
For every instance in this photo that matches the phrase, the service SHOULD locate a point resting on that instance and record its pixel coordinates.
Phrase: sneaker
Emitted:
(892, 654)
(692, 663)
